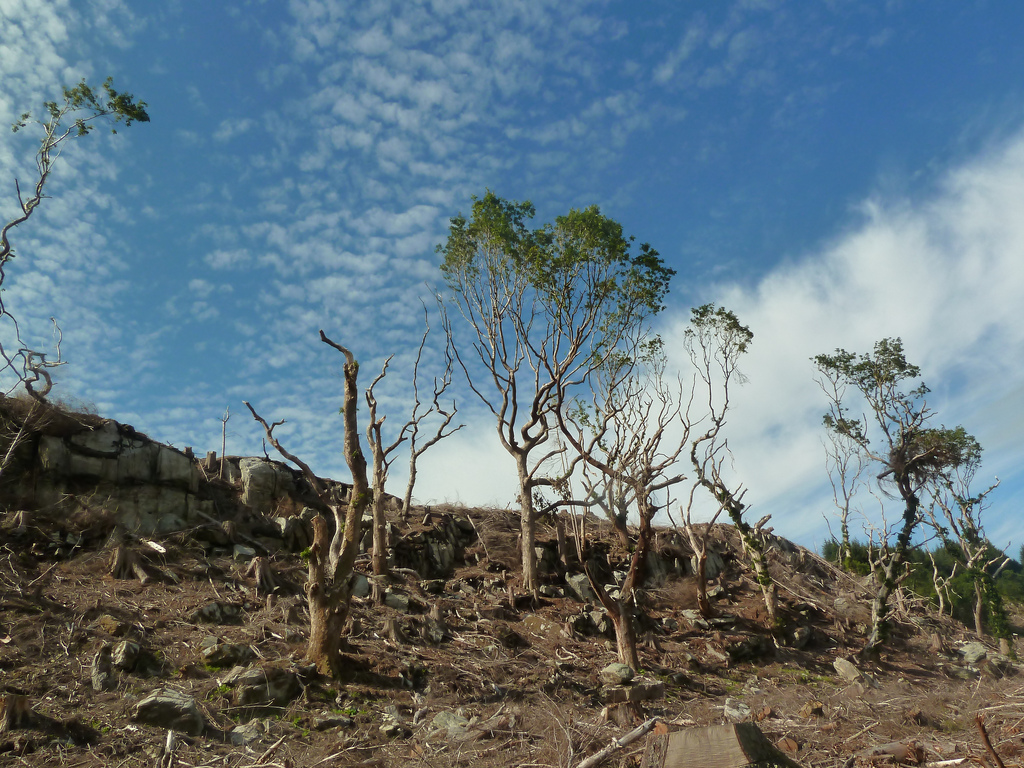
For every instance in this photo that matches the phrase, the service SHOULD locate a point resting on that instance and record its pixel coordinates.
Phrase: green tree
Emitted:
(545, 308)
(896, 438)
(75, 115)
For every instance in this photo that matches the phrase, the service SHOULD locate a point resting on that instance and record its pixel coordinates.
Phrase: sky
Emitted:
(833, 171)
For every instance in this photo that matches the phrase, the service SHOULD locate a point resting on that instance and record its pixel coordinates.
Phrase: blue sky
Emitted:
(833, 171)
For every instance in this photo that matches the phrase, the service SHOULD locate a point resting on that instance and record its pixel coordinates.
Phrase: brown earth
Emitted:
(522, 679)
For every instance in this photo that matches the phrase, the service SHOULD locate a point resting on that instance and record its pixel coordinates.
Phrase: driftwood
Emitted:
(741, 745)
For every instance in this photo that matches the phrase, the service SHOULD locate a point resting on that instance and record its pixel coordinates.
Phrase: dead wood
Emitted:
(618, 744)
(979, 721)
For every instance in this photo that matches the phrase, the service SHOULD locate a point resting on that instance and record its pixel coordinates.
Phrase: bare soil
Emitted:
(521, 674)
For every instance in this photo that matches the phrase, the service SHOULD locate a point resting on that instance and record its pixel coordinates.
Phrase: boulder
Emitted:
(263, 686)
(170, 709)
(616, 673)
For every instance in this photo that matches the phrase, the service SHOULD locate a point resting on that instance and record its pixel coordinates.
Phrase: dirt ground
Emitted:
(521, 680)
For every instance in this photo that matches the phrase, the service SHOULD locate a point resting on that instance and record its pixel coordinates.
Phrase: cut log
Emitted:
(740, 745)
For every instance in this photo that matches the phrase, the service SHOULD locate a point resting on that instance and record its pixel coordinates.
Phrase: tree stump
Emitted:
(260, 569)
(14, 712)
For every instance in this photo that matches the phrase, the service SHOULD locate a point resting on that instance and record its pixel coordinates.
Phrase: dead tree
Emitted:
(328, 586)
(955, 514)
(445, 413)
(623, 434)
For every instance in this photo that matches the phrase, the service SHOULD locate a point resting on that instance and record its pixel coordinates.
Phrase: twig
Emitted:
(626, 740)
(979, 721)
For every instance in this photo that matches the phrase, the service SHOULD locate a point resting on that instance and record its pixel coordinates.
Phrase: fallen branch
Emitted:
(980, 722)
(618, 744)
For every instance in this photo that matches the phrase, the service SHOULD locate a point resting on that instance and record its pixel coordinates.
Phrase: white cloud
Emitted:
(945, 274)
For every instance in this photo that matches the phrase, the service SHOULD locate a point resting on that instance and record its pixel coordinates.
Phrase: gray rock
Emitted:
(216, 613)
(801, 637)
(241, 735)
(974, 652)
(538, 625)
(547, 590)
(454, 724)
(263, 686)
(360, 585)
(616, 673)
(243, 552)
(579, 585)
(217, 653)
(103, 677)
(126, 655)
(170, 709)
(848, 671)
(736, 710)
(397, 600)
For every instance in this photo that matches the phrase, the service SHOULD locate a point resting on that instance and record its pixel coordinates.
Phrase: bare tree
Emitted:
(544, 308)
(328, 586)
(74, 116)
(445, 413)
(955, 513)
(715, 342)
(698, 535)
(846, 466)
(624, 433)
(894, 436)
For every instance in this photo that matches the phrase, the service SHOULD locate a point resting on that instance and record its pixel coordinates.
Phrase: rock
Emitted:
(397, 600)
(242, 552)
(103, 678)
(538, 625)
(110, 625)
(753, 647)
(713, 566)
(801, 637)
(126, 655)
(395, 731)
(579, 585)
(360, 585)
(241, 735)
(454, 724)
(736, 711)
(717, 592)
(332, 722)
(974, 652)
(546, 590)
(695, 619)
(263, 482)
(848, 671)
(217, 653)
(216, 613)
(262, 686)
(616, 673)
(670, 624)
(170, 709)
(636, 693)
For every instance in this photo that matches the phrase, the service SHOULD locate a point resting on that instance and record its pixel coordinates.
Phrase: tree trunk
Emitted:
(328, 607)
(528, 532)
(979, 607)
(880, 603)
(703, 604)
(625, 636)
(380, 544)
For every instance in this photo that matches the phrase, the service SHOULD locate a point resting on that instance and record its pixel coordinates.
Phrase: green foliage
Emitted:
(107, 103)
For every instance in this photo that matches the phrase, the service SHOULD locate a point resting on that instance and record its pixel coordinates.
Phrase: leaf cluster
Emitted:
(107, 102)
